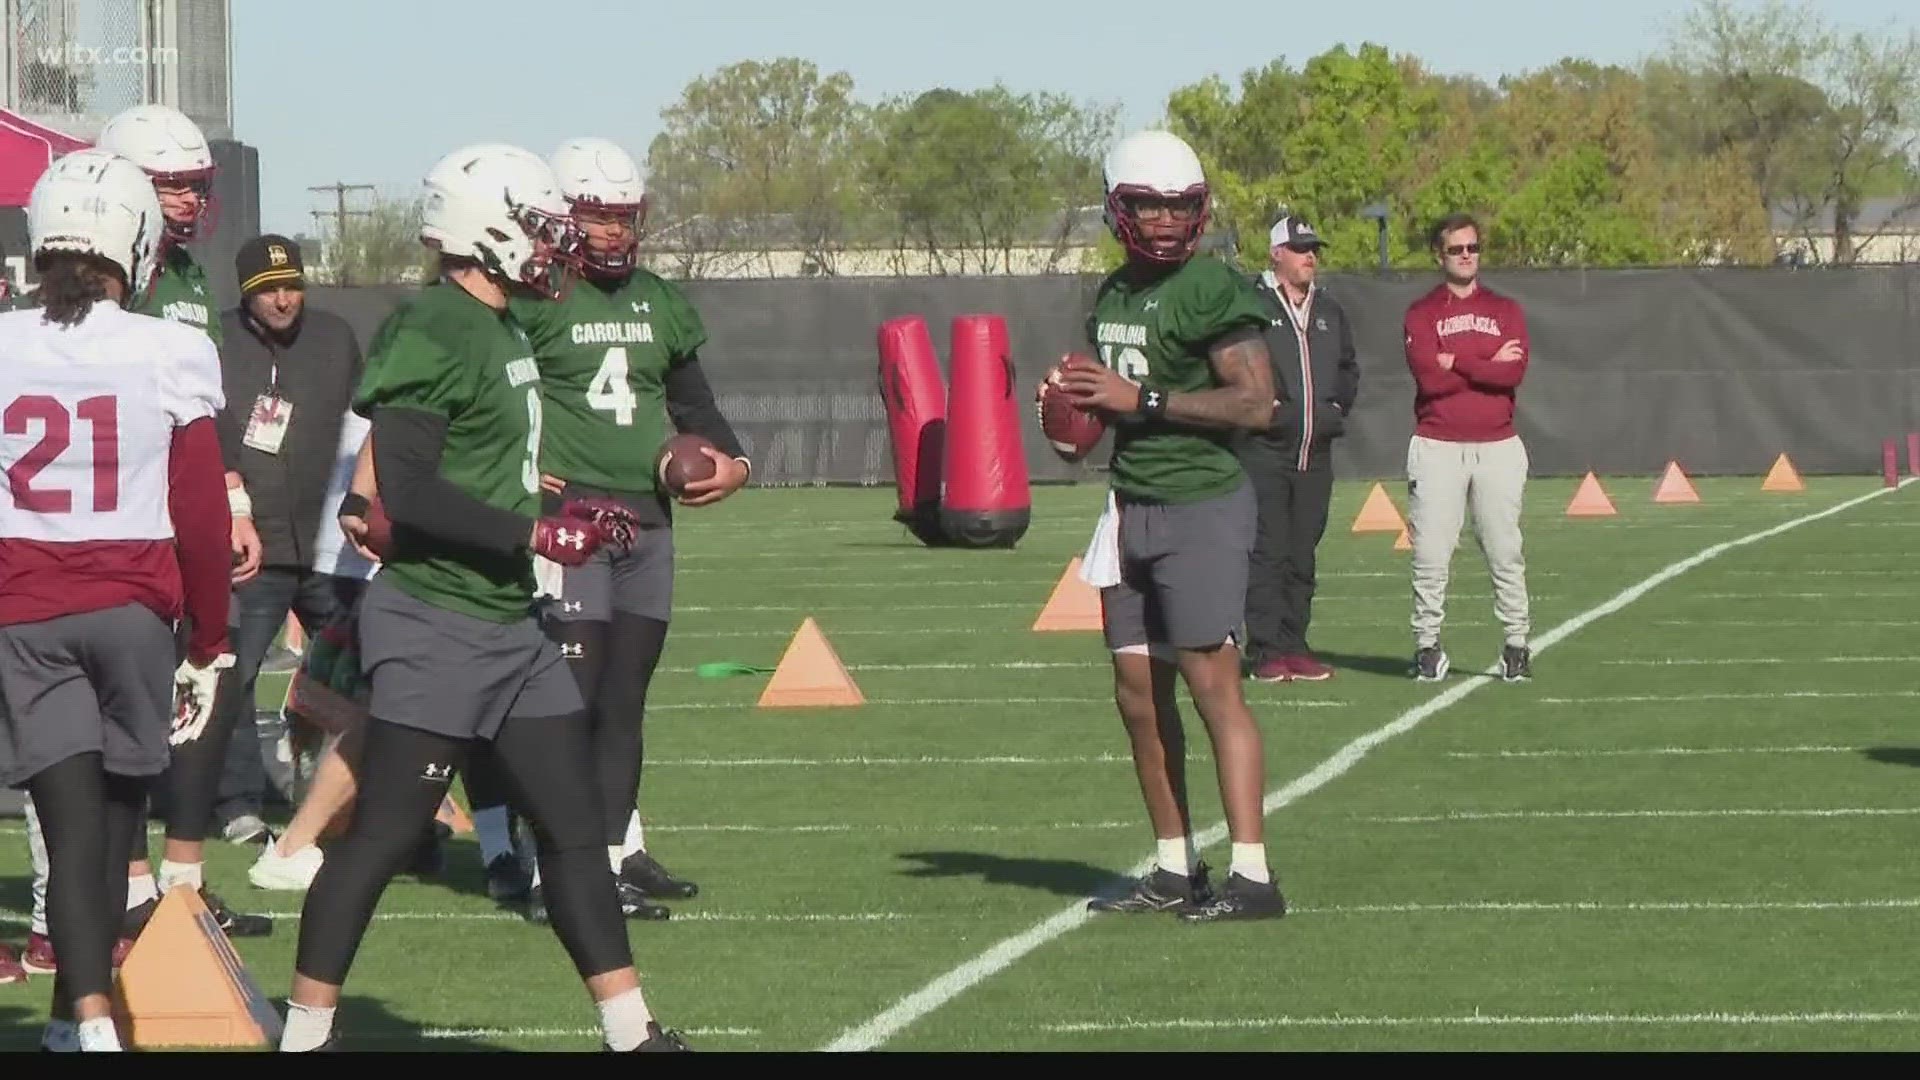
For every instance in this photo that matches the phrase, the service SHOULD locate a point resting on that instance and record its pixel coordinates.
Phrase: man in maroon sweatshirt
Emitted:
(1468, 350)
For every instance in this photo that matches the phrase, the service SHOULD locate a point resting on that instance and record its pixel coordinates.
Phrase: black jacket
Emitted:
(317, 374)
(1316, 376)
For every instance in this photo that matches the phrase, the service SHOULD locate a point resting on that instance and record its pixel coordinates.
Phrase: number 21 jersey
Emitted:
(87, 421)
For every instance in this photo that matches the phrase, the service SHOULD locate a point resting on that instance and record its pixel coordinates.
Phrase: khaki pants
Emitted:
(1444, 481)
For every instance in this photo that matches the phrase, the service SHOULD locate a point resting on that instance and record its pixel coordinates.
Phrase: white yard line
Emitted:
(944, 988)
(566, 1033)
(747, 706)
(1765, 695)
(1740, 661)
(1709, 1019)
(1652, 751)
(1725, 812)
(877, 762)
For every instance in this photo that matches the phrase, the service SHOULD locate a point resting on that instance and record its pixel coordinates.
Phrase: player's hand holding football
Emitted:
(729, 476)
(1095, 386)
(193, 692)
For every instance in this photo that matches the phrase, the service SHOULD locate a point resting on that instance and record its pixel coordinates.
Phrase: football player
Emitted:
(1183, 368)
(447, 634)
(619, 357)
(115, 527)
(170, 148)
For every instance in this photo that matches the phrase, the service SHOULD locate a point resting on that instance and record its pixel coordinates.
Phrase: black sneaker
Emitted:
(645, 874)
(536, 906)
(430, 857)
(1239, 899)
(1431, 664)
(1516, 663)
(1158, 890)
(232, 923)
(635, 905)
(135, 918)
(507, 879)
(658, 1041)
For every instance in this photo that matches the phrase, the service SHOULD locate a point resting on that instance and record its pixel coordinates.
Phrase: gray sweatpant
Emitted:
(1444, 481)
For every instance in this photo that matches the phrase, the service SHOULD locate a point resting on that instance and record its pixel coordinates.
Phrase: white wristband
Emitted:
(239, 503)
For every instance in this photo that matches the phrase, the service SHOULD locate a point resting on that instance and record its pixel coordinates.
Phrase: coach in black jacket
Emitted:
(1316, 378)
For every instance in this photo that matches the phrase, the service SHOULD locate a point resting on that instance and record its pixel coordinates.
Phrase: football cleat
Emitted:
(635, 905)
(1431, 664)
(507, 879)
(1516, 663)
(1158, 890)
(1238, 899)
(659, 1041)
(645, 873)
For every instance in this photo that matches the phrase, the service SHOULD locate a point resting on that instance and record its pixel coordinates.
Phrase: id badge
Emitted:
(267, 427)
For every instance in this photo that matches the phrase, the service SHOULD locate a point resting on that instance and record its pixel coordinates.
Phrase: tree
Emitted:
(968, 177)
(1823, 119)
(758, 157)
(377, 246)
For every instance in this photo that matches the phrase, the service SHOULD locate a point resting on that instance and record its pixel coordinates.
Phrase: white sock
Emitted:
(1173, 856)
(490, 826)
(140, 890)
(308, 1028)
(61, 1037)
(636, 840)
(536, 875)
(614, 857)
(98, 1034)
(177, 873)
(1250, 862)
(624, 1019)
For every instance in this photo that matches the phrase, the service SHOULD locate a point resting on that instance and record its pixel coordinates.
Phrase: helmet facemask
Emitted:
(1158, 227)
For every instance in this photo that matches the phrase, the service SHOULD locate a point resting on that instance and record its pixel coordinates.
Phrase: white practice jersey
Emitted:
(87, 415)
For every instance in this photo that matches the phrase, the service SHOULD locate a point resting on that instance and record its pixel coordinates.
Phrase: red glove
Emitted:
(617, 524)
(566, 540)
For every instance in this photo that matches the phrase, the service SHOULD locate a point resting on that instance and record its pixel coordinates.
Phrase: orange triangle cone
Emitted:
(810, 674)
(1403, 542)
(1074, 605)
(1590, 500)
(453, 816)
(1783, 477)
(183, 984)
(1379, 514)
(1674, 487)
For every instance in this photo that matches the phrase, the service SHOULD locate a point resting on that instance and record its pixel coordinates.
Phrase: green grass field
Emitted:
(1693, 829)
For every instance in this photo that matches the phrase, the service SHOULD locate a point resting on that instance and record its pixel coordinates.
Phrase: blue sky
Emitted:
(372, 92)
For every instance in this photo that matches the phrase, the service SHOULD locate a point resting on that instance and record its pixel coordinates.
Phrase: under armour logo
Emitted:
(438, 774)
(642, 307)
(1150, 305)
(573, 538)
(572, 605)
(573, 650)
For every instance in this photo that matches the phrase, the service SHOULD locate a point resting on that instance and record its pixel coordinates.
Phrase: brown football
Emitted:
(1072, 431)
(379, 538)
(681, 462)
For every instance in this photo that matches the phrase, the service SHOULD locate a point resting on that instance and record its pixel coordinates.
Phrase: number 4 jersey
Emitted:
(91, 415)
(604, 354)
(1157, 334)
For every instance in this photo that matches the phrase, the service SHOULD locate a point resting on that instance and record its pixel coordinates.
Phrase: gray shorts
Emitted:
(453, 674)
(1183, 572)
(639, 582)
(100, 681)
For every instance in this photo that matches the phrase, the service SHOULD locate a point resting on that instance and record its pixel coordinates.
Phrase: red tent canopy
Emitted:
(26, 149)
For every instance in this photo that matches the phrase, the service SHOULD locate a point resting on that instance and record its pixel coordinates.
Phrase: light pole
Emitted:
(1378, 212)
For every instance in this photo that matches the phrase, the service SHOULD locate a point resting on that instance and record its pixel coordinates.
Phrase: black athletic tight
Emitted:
(403, 777)
(88, 818)
(193, 773)
(613, 663)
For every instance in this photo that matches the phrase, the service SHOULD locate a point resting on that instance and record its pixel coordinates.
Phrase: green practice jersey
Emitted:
(1157, 334)
(604, 353)
(180, 294)
(446, 353)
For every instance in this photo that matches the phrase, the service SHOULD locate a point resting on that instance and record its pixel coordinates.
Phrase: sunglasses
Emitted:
(1463, 249)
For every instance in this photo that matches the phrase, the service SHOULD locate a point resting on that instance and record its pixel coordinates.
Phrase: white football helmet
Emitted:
(1156, 164)
(172, 150)
(499, 205)
(97, 203)
(597, 173)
